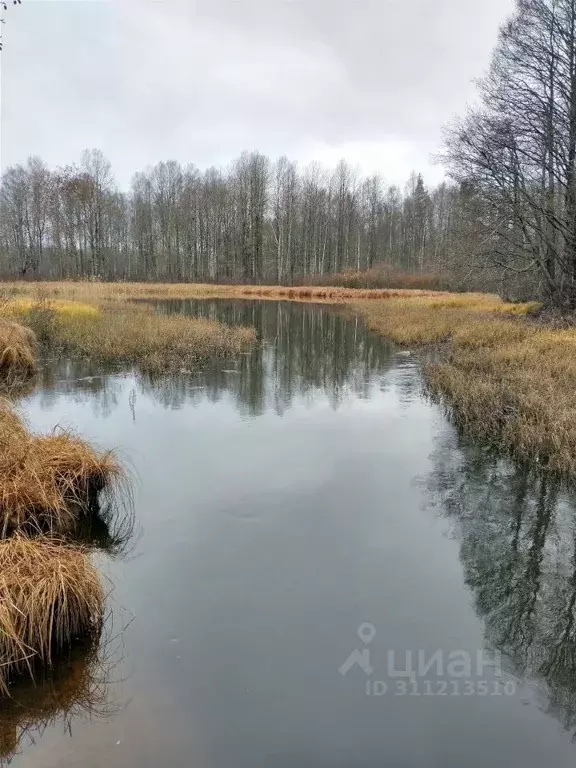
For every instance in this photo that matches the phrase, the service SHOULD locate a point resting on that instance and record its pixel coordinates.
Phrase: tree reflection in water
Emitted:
(303, 349)
(517, 529)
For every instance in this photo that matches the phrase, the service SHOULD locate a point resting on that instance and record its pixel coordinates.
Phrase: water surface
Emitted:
(302, 509)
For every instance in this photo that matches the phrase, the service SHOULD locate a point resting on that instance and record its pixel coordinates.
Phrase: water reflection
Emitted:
(518, 547)
(267, 541)
(79, 687)
(304, 351)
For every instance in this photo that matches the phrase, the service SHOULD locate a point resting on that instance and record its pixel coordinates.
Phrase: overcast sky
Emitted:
(370, 80)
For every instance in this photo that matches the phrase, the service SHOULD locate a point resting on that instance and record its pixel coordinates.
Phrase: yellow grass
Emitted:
(504, 378)
(50, 595)
(156, 343)
(48, 483)
(17, 352)
(115, 330)
(21, 307)
(94, 292)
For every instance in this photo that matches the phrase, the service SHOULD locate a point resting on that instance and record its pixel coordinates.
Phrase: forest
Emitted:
(256, 221)
(504, 219)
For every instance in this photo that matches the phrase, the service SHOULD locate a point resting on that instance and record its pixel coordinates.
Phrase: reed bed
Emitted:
(50, 595)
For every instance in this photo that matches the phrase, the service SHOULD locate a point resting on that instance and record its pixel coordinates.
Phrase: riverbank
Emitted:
(503, 377)
(89, 291)
(51, 485)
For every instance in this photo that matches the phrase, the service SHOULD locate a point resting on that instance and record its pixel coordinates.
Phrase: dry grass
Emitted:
(382, 276)
(157, 343)
(117, 331)
(50, 594)
(95, 292)
(433, 319)
(17, 352)
(49, 483)
(21, 307)
(504, 379)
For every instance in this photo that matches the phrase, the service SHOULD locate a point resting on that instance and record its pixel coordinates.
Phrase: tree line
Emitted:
(255, 221)
(506, 220)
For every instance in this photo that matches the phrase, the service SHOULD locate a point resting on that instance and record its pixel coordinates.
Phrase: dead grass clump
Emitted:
(17, 352)
(48, 483)
(76, 468)
(50, 595)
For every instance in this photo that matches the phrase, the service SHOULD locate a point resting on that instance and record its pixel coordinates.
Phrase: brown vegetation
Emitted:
(504, 379)
(48, 483)
(115, 330)
(50, 594)
(382, 276)
(17, 352)
(97, 292)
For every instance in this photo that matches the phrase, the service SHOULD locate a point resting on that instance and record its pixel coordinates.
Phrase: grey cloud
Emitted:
(202, 81)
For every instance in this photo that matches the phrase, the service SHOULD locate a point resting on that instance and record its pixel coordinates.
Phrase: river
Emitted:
(323, 571)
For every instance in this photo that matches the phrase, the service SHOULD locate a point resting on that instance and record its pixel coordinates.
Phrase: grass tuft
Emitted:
(49, 483)
(17, 352)
(50, 595)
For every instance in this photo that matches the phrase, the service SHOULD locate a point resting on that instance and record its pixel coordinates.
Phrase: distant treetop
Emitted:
(4, 7)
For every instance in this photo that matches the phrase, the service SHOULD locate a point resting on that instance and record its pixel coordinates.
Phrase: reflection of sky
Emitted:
(128, 417)
(268, 535)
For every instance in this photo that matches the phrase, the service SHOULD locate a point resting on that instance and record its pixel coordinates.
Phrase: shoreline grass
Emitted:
(50, 595)
(121, 331)
(502, 378)
(50, 486)
(49, 483)
(95, 292)
(17, 353)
